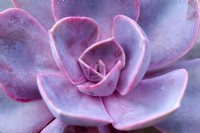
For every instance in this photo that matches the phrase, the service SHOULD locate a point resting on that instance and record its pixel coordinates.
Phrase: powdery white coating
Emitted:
(172, 28)
(102, 11)
(22, 117)
(39, 9)
(25, 52)
(151, 102)
(70, 105)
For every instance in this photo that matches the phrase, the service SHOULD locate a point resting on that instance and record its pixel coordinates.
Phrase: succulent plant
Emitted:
(106, 65)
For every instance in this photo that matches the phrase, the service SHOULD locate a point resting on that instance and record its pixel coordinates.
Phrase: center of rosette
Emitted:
(101, 64)
(94, 74)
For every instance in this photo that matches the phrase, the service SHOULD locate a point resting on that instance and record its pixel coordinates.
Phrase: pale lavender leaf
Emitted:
(137, 51)
(69, 105)
(69, 38)
(172, 27)
(193, 53)
(187, 118)
(20, 117)
(102, 11)
(151, 102)
(40, 9)
(25, 52)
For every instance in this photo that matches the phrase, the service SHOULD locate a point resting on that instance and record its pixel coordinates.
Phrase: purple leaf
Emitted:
(186, 119)
(22, 117)
(193, 53)
(69, 105)
(172, 27)
(69, 39)
(40, 9)
(25, 52)
(152, 101)
(137, 51)
(102, 11)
